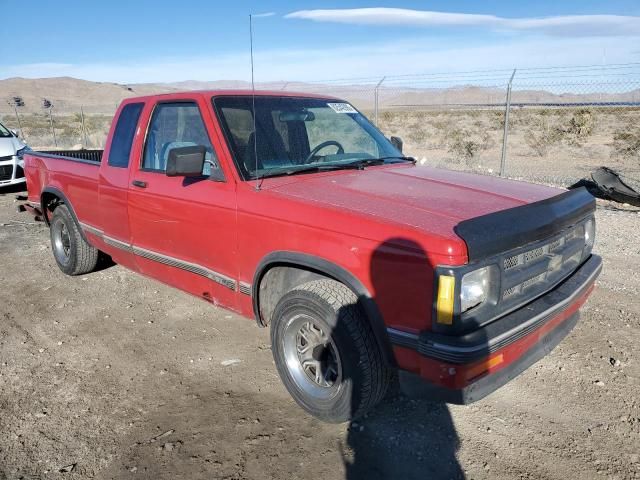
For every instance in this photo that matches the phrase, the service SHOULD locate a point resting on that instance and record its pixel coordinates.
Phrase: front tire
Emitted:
(73, 254)
(326, 353)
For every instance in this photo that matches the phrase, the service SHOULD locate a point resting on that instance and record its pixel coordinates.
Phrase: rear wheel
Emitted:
(73, 254)
(326, 353)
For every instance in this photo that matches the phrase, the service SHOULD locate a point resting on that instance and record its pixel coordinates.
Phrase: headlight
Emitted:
(589, 233)
(474, 288)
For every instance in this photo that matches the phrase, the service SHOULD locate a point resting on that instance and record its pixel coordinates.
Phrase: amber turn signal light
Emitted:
(445, 300)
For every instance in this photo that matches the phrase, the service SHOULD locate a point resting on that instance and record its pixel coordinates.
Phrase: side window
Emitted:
(176, 125)
(123, 135)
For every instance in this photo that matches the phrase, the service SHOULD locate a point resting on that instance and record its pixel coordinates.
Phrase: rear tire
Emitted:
(326, 353)
(73, 254)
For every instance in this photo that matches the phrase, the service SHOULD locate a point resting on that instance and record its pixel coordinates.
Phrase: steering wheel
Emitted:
(319, 147)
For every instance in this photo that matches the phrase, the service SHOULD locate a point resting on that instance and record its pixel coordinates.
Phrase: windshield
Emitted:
(4, 132)
(298, 134)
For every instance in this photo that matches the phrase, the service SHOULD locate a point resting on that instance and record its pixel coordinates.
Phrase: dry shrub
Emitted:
(550, 128)
(580, 127)
(626, 142)
(443, 124)
(542, 135)
(467, 144)
(416, 134)
(387, 116)
(497, 119)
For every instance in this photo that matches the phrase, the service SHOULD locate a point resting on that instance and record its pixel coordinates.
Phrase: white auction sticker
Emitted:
(342, 108)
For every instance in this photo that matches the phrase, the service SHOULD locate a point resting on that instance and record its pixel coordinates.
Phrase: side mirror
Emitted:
(186, 161)
(15, 133)
(396, 142)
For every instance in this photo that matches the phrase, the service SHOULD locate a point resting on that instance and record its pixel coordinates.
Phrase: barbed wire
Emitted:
(488, 73)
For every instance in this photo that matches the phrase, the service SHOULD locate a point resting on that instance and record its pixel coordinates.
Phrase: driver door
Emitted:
(183, 230)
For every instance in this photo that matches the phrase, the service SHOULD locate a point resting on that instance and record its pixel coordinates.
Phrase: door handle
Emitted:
(139, 183)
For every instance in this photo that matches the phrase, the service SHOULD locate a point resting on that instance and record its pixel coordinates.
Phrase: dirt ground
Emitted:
(113, 375)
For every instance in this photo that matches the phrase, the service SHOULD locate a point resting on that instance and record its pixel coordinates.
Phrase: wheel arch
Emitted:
(311, 267)
(51, 195)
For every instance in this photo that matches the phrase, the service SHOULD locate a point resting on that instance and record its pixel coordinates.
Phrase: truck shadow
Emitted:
(403, 437)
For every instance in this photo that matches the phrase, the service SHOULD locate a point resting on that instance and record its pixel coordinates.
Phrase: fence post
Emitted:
(375, 105)
(503, 159)
(84, 130)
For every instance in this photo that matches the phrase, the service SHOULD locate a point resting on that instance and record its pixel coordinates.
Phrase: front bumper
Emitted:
(463, 369)
(11, 172)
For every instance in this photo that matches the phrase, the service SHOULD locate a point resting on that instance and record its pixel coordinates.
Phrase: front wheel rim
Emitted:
(311, 356)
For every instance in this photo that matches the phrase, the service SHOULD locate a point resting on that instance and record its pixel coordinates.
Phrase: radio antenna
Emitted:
(253, 103)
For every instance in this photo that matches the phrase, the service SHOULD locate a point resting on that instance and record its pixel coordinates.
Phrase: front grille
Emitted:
(556, 244)
(6, 171)
(533, 255)
(531, 271)
(510, 291)
(512, 262)
(6, 158)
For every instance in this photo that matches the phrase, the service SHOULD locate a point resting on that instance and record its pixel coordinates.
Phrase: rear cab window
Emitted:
(123, 135)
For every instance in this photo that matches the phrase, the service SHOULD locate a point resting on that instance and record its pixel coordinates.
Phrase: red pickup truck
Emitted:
(295, 210)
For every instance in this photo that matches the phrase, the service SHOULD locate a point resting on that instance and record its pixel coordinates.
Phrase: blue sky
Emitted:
(157, 41)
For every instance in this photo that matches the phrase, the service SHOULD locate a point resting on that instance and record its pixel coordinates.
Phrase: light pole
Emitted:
(84, 129)
(47, 105)
(15, 103)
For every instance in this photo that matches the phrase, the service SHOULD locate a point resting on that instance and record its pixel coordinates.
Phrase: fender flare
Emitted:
(65, 200)
(331, 270)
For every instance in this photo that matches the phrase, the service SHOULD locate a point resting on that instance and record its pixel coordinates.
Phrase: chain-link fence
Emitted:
(550, 125)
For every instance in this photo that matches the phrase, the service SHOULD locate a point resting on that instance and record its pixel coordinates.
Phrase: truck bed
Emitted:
(71, 173)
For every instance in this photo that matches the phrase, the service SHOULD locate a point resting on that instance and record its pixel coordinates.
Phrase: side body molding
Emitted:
(324, 267)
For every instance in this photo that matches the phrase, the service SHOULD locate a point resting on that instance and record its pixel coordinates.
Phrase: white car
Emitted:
(12, 150)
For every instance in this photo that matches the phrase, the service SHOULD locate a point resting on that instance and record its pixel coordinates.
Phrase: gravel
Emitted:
(575, 414)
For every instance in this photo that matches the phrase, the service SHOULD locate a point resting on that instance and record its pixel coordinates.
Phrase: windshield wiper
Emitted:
(368, 162)
(397, 157)
(354, 165)
(309, 169)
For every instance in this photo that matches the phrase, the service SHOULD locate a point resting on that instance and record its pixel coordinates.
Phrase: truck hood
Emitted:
(430, 199)
(9, 146)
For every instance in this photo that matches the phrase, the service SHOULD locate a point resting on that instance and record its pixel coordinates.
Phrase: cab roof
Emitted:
(225, 93)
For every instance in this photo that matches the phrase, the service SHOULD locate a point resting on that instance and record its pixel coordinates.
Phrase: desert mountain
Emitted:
(69, 94)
